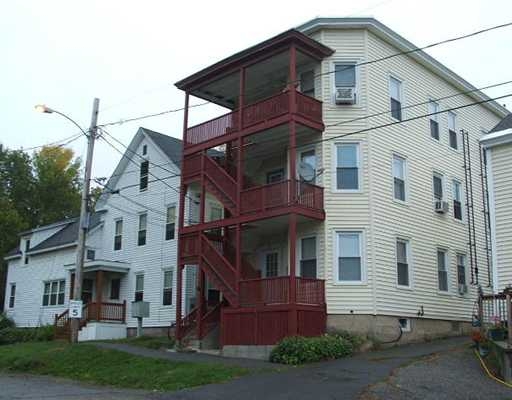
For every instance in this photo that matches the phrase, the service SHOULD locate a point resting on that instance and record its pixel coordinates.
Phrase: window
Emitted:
(144, 173)
(215, 213)
(433, 107)
(143, 222)
(90, 254)
(350, 266)
(54, 293)
(271, 264)
(144, 149)
(115, 288)
(139, 287)
(167, 294)
(345, 75)
(399, 166)
(405, 324)
(442, 270)
(307, 83)
(275, 176)
(452, 133)
(347, 166)
(395, 94)
(12, 295)
(308, 257)
(402, 262)
(438, 186)
(457, 200)
(118, 235)
(170, 223)
(461, 269)
(27, 248)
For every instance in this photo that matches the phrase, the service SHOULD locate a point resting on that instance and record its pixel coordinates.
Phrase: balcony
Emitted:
(264, 114)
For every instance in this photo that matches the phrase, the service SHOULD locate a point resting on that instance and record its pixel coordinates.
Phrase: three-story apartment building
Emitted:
(341, 191)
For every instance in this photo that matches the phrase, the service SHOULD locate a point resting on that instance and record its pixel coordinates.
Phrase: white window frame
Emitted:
(462, 205)
(434, 118)
(457, 255)
(448, 275)
(168, 223)
(171, 271)
(401, 93)
(135, 291)
(140, 230)
(448, 114)
(356, 86)
(115, 234)
(264, 261)
(299, 252)
(50, 293)
(143, 176)
(406, 178)
(362, 246)
(443, 185)
(408, 254)
(335, 167)
(12, 297)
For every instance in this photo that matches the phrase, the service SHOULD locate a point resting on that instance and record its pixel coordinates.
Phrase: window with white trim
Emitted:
(395, 97)
(457, 200)
(344, 75)
(437, 186)
(144, 149)
(307, 83)
(442, 270)
(141, 234)
(308, 257)
(53, 293)
(27, 248)
(350, 262)
(139, 287)
(167, 289)
(402, 263)
(170, 223)
(452, 133)
(399, 178)
(461, 269)
(12, 295)
(271, 264)
(347, 166)
(433, 107)
(115, 288)
(118, 234)
(144, 175)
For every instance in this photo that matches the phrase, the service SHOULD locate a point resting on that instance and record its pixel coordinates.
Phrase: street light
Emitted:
(84, 208)
(43, 108)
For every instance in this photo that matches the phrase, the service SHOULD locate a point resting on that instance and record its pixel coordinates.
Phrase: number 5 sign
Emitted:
(75, 308)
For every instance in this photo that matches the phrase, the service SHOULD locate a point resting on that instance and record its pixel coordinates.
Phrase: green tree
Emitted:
(57, 184)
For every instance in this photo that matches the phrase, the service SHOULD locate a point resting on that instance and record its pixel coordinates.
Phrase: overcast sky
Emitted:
(130, 53)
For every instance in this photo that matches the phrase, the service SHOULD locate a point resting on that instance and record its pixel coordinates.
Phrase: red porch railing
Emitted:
(261, 111)
(265, 291)
(222, 180)
(112, 312)
(310, 291)
(262, 198)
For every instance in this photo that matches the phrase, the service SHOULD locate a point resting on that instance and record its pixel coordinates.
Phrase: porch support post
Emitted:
(292, 325)
(240, 140)
(202, 200)
(201, 301)
(179, 284)
(293, 78)
(238, 257)
(72, 285)
(99, 294)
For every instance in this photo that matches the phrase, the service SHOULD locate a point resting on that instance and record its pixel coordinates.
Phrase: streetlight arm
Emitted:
(70, 120)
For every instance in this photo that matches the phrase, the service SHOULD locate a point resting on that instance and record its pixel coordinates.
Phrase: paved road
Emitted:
(340, 379)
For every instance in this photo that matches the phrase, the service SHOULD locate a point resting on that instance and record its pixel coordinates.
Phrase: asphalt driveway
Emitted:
(435, 370)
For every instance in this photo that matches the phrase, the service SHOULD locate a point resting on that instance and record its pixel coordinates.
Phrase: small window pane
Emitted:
(307, 83)
(394, 88)
(349, 245)
(347, 155)
(434, 129)
(438, 187)
(115, 286)
(350, 269)
(345, 75)
(399, 167)
(309, 248)
(401, 252)
(139, 282)
(119, 227)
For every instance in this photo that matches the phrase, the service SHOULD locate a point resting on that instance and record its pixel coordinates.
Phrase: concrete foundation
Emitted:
(102, 331)
(150, 331)
(254, 352)
(383, 328)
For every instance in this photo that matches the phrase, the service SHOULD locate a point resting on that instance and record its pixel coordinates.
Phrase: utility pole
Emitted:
(84, 218)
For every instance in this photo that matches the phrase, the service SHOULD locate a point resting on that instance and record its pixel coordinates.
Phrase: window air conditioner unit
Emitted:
(345, 95)
(463, 288)
(441, 206)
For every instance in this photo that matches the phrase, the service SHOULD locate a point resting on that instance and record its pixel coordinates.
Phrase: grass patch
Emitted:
(87, 363)
(149, 342)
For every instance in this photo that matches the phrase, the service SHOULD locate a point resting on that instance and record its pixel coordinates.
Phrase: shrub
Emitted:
(5, 322)
(299, 350)
(17, 335)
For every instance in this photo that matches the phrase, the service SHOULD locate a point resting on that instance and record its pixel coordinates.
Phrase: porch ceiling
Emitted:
(267, 66)
(102, 265)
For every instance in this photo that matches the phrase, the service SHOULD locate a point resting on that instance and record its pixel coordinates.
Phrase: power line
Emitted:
(66, 140)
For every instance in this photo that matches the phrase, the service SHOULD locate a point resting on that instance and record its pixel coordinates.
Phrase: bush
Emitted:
(17, 335)
(299, 350)
(5, 322)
